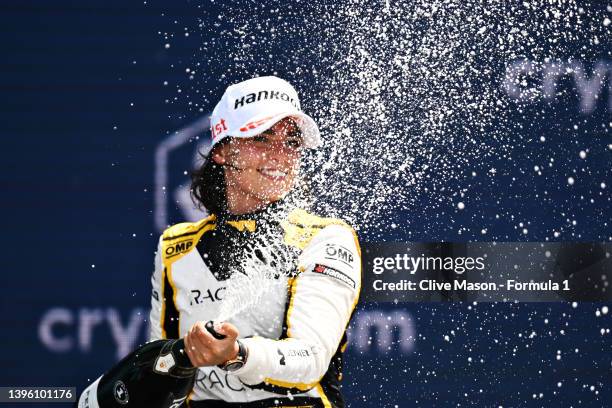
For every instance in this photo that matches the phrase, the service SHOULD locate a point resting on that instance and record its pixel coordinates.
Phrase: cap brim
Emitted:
(308, 127)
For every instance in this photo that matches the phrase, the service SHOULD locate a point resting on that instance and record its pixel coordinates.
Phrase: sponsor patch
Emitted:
(271, 94)
(199, 296)
(218, 128)
(178, 248)
(336, 274)
(339, 253)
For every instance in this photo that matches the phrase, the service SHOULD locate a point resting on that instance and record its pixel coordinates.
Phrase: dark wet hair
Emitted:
(208, 184)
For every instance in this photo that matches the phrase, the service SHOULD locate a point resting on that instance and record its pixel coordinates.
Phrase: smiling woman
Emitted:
(281, 334)
(287, 349)
(244, 175)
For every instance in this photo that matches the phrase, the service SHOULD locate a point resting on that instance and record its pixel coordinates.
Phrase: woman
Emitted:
(286, 348)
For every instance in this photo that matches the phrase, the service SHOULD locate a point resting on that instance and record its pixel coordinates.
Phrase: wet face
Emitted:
(262, 169)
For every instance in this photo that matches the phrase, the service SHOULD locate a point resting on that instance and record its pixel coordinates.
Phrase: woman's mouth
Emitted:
(273, 174)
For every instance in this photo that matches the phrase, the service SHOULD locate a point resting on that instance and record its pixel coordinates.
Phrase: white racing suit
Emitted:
(295, 334)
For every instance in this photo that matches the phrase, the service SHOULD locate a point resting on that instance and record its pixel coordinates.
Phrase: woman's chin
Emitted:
(275, 196)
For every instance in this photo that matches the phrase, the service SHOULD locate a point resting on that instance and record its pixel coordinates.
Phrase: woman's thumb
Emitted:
(229, 330)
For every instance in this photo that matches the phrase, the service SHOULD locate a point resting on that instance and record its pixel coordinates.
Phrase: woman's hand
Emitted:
(204, 350)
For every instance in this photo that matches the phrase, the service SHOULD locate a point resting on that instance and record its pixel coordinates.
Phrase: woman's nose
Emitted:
(282, 149)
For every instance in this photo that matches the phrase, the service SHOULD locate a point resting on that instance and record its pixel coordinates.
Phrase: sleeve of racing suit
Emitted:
(322, 298)
(155, 330)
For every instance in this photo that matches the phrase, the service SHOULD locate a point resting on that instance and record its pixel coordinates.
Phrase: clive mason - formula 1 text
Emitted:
(434, 285)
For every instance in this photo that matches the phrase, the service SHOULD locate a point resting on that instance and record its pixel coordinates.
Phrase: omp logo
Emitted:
(339, 253)
(528, 81)
(178, 248)
(178, 194)
(382, 332)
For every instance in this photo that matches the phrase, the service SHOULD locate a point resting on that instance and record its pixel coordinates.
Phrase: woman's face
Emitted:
(261, 169)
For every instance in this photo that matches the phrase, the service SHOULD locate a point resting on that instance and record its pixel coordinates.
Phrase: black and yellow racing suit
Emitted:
(295, 331)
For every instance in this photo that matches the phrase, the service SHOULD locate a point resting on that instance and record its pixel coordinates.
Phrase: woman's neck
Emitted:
(247, 204)
(240, 207)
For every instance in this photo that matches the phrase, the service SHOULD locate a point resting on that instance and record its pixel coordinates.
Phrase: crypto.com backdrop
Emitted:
(98, 138)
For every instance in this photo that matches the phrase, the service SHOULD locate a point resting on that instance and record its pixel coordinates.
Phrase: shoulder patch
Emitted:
(300, 227)
(182, 238)
(186, 228)
(336, 274)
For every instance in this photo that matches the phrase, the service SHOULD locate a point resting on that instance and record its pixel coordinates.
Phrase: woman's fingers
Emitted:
(190, 350)
(229, 330)
(204, 350)
(201, 342)
(198, 345)
(193, 352)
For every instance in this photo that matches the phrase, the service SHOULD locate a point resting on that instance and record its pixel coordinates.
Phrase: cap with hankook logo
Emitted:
(251, 107)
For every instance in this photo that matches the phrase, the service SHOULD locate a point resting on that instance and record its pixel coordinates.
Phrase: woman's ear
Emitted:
(219, 154)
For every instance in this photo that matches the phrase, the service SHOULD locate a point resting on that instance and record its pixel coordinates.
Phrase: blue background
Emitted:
(77, 182)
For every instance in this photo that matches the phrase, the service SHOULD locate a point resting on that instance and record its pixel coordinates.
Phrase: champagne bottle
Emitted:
(158, 374)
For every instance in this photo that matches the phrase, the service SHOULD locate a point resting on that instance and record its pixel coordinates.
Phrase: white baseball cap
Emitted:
(251, 107)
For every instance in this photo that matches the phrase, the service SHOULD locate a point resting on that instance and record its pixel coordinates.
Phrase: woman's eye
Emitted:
(260, 139)
(295, 144)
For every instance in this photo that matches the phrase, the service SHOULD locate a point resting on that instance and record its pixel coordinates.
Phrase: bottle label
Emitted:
(164, 363)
